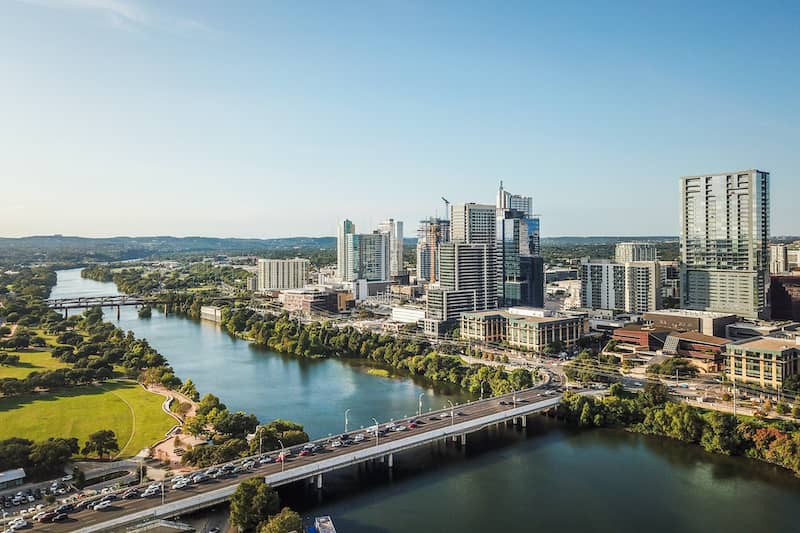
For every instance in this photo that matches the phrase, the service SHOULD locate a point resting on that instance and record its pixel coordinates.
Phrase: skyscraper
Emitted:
(346, 227)
(506, 200)
(473, 223)
(394, 228)
(366, 256)
(724, 242)
(282, 273)
(431, 234)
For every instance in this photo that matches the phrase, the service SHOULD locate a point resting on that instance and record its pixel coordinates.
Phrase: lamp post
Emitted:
(514, 397)
(346, 420)
(377, 428)
(452, 413)
(419, 407)
(283, 455)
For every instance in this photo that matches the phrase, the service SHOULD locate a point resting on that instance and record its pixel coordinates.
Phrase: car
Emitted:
(60, 517)
(214, 530)
(412, 425)
(66, 478)
(130, 493)
(37, 516)
(149, 493)
(182, 484)
(200, 478)
(19, 523)
(461, 413)
(265, 460)
(30, 498)
(304, 453)
(400, 428)
(102, 505)
(66, 508)
(359, 438)
(249, 464)
(433, 418)
(336, 444)
(108, 497)
(281, 458)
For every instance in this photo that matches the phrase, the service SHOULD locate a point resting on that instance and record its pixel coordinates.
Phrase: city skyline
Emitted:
(178, 114)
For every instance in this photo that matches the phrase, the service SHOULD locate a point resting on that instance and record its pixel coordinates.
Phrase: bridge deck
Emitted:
(475, 416)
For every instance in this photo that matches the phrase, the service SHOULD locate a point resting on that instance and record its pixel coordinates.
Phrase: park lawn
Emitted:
(83, 410)
(30, 360)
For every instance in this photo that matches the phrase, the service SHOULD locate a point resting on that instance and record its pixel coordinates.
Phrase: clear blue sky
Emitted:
(268, 118)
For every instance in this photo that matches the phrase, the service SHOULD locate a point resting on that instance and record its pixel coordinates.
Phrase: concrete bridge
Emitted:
(451, 424)
(87, 302)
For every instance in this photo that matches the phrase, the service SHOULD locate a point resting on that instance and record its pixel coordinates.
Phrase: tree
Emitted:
(252, 503)
(782, 408)
(101, 442)
(284, 522)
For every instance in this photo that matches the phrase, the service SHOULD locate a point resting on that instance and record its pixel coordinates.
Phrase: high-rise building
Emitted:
(506, 200)
(724, 243)
(366, 256)
(467, 283)
(628, 252)
(346, 227)
(394, 228)
(633, 287)
(520, 279)
(472, 223)
(432, 233)
(281, 274)
(778, 258)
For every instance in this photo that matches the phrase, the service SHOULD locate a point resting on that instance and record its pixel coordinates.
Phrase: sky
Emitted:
(279, 118)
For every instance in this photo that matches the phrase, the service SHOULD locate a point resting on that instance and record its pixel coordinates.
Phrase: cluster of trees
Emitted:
(228, 432)
(139, 280)
(8, 359)
(27, 282)
(672, 365)
(40, 460)
(256, 507)
(324, 339)
(588, 367)
(651, 412)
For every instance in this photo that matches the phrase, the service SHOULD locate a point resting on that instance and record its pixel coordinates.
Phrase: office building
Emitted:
(705, 322)
(346, 227)
(394, 229)
(765, 361)
(778, 259)
(473, 223)
(630, 287)
(793, 259)
(506, 200)
(724, 243)
(432, 233)
(523, 328)
(468, 283)
(310, 300)
(629, 252)
(367, 256)
(280, 274)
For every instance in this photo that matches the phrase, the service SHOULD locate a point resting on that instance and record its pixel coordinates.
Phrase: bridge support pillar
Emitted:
(165, 309)
(319, 481)
(524, 420)
(390, 460)
(118, 312)
(66, 313)
(463, 439)
(380, 459)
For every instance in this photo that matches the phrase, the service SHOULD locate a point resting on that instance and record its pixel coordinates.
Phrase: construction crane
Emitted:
(446, 208)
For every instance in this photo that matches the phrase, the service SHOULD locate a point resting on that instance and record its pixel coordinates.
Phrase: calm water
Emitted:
(551, 478)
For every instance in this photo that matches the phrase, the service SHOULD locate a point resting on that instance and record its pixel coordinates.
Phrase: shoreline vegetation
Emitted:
(651, 412)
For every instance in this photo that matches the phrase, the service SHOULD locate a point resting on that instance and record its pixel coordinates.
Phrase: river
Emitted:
(549, 478)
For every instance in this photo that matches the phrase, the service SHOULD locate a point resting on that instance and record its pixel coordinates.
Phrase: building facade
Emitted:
(630, 287)
(431, 234)
(346, 227)
(530, 331)
(473, 223)
(629, 252)
(784, 297)
(778, 258)
(705, 322)
(280, 274)
(765, 361)
(367, 257)
(394, 229)
(724, 243)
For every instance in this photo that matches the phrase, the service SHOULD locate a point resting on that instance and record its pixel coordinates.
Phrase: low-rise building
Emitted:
(407, 314)
(765, 361)
(640, 337)
(705, 351)
(12, 478)
(212, 313)
(705, 322)
(524, 328)
(310, 300)
(751, 330)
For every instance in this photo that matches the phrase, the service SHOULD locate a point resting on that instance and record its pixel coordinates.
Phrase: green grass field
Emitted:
(30, 360)
(134, 414)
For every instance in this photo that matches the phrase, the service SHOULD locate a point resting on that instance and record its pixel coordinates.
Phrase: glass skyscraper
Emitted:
(725, 243)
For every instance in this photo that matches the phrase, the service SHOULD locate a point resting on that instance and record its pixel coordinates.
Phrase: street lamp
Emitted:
(377, 434)
(452, 414)
(419, 408)
(346, 420)
(283, 455)
(514, 397)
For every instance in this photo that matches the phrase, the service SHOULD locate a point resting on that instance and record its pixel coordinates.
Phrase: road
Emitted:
(473, 410)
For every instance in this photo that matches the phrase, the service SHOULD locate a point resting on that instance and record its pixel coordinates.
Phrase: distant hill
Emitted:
(566, 241)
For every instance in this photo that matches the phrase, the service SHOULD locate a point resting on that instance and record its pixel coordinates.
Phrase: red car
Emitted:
(304, 453)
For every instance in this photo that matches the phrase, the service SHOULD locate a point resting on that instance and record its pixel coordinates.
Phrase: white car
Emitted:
(400, 428)
(37, 516)
(182, 484)
(336, 444)
(102, 505)
(265, 460)
(19, 523)
(359, 437)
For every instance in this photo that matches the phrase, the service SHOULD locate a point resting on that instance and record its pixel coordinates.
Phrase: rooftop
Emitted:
(690, 313)
(769, 343)
(694, 336)
(12, 475)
